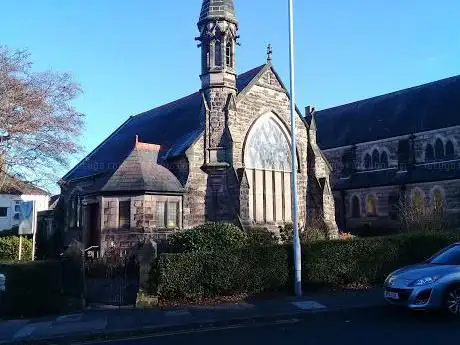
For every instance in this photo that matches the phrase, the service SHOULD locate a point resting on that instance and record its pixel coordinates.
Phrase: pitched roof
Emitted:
(13, 185)
(173, 126)
(429, 172)
(422, 108)
(140, 172)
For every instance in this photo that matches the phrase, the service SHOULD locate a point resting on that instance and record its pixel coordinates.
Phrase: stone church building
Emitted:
(401, 146)
(219, 154)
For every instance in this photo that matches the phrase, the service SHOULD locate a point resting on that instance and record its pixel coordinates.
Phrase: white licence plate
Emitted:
(391, 295)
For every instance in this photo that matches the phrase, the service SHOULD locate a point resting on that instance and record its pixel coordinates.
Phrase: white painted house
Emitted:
(12, 193)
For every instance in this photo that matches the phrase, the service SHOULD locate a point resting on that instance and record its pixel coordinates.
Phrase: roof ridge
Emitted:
(408, 89)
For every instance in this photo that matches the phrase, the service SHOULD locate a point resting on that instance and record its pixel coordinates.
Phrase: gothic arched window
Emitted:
(437, 199)
(429, 153)
(384, 160)
(439, 149)
(375, 159)
(355, 208)
(450, 150)
(218, 54)
(418, 199)
(267, 159)
(229, 54)
(371, 205)
(367, 161)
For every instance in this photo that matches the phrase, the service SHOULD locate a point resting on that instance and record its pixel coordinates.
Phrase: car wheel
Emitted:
(452, 300)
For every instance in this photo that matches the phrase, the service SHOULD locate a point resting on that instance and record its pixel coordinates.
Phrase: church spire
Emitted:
(217, 9)
(218, 28)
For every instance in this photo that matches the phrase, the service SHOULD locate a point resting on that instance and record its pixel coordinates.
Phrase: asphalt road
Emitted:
(380, 326)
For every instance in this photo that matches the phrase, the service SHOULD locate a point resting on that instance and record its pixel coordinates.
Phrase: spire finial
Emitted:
(269, 53)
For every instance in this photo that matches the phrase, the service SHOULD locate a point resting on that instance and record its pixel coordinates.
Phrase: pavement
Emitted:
(113, 323)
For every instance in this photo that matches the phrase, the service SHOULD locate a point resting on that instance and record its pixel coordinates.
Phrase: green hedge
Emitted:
(253, 270)
(32, 289)
(9, 248)
(245, 270)
(208, 237)
(367, 260)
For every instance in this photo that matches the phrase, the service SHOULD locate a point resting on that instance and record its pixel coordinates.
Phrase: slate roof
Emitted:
(173, 126)
(429, 172)
(140, 172)
(13, 185)
(212, 9)
(422, 108)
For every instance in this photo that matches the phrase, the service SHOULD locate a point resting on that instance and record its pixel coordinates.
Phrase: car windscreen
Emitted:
(450, 256)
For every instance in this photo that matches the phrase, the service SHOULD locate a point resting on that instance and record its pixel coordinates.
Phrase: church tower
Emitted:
(218, 37)
(218, 29)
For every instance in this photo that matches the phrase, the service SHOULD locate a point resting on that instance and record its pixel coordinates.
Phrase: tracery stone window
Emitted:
(367, 161)
(355, 207)
(437, 198)
(218, 54)
(418, 199)
(371, 206)
(450, 150)
(429, 153)
(439, 149)
(375, 159)
(384, 160)
(229, 54)
(267, 159)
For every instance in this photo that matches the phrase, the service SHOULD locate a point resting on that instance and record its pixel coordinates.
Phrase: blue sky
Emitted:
(131, 56)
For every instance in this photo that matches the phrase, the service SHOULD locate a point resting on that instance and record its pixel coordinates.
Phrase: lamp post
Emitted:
(296, 241)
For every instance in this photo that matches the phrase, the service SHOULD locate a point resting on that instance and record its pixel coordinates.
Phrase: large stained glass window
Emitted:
(269, 167)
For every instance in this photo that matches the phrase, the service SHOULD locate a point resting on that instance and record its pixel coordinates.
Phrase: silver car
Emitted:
(434, 284)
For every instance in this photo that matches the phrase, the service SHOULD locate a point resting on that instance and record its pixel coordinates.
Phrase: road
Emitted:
(382, 326)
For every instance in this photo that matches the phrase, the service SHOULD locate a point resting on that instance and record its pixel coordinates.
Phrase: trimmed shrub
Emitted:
(208, 237)
(9, 248)
(367, 260)
(247, 270)
(253, 270)
(261, 237)
(32, 289)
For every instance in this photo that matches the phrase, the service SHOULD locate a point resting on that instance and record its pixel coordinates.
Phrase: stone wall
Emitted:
(450, 189)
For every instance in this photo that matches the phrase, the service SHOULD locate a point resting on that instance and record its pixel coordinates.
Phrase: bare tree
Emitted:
(39, 128)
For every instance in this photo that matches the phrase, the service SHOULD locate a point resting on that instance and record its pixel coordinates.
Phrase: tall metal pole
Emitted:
(296, 242)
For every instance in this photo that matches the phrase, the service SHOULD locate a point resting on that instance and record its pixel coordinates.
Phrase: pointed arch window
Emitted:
(418, 199)
(384, 160)
(437, 200)
(450, 150)
(429, 153)
(267, 159)
(229, 55)
(439, 149)
(375, 159)
(371, 206)
(218, 53)
(367, 161)
(355, 207)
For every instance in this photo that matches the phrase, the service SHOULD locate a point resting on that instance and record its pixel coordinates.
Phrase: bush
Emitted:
(9, 248)
(262, 237)
(369, 260)
(32, 289)
(208, 237)
(247, 270)
(252, 270)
